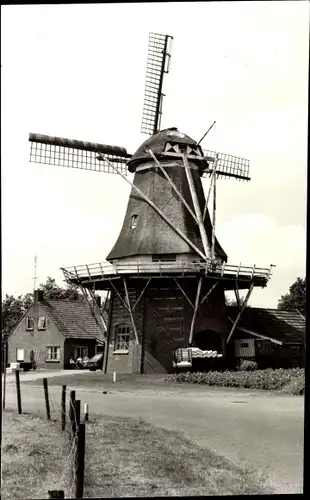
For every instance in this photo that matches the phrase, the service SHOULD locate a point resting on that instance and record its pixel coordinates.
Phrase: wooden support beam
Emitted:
(173, 186)
(202, 229)
(208, 293)
(208, 196)
(187, 298)
(191, 333)
(162, 215)
(214, 208)
(92, 310)
(119, 295)
(141, 294)
(95, 305)
(130, 311)
(237, 295)
(240, 312)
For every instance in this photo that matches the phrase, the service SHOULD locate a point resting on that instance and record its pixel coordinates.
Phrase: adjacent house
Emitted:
(51, 331)
(272, 337)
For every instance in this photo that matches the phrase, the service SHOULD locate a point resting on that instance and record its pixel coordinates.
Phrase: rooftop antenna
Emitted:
(35, 273)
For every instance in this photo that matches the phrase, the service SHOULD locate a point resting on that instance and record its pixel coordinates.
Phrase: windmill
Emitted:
(167, 273)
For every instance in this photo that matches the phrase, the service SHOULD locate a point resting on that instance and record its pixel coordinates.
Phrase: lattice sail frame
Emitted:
(228, 165)
(83, 155)
(158, 63)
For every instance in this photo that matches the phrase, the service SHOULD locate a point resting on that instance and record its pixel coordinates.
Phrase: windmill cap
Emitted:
(157, 143)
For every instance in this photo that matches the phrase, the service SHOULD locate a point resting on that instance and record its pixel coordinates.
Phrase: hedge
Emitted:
(268, 379)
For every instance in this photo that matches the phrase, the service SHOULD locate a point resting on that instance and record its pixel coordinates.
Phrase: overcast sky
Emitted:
(78, 71)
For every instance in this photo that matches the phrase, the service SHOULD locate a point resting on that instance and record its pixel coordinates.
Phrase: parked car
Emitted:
(96, 362)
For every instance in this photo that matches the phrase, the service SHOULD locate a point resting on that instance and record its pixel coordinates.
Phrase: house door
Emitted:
(80, 351)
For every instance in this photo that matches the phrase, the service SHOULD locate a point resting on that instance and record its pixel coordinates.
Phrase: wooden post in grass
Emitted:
(77, 415)
(47, 403)
(19, 399)
(80, 461)
(71, 409)
(86, 417)
(56, 494)
(63, 407)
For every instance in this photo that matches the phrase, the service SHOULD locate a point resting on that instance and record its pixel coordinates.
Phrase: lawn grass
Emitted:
(34, 454)
(124, 457)
(127, 457)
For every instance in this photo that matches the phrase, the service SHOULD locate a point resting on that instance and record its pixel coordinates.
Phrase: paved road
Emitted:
(261, 430)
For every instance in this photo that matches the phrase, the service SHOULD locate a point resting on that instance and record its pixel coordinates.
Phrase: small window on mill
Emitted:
(133, 221)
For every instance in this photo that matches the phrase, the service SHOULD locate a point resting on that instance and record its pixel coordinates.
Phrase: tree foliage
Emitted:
(296, 298)
(51, 291)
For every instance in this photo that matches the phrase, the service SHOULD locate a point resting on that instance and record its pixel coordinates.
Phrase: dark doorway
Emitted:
(208, 340)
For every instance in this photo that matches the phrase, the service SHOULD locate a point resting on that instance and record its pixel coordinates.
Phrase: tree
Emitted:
(51, 291)
(296, 298)
(233, 302)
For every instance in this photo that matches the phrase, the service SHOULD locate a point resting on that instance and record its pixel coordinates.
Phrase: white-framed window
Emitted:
(52, 353)
(133, 221)
(122, 336)
(294, 351)
(244, 343)
(29, 323)
(41, 323)
(20, 354)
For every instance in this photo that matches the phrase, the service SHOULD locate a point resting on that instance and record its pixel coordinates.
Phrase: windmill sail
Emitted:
(158, 62)
(228, 165)
(76, 154)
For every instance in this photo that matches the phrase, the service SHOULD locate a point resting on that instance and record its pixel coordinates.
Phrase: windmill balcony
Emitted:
(92, 273)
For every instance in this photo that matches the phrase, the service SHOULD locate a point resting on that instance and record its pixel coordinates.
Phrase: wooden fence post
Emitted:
(86, 416)
(19, 400)
(71, 409)
(80, 461)
(63, 407)
(77, 415)
(4, 374)
(47, 403)
(56, 494)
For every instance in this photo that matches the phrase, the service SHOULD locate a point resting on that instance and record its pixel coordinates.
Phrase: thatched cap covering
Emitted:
(157, 143)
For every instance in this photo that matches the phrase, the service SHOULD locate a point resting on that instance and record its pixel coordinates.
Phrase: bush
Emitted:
(248, 365)
(268, 379)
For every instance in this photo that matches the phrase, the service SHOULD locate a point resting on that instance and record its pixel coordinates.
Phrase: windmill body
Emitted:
(166, 274)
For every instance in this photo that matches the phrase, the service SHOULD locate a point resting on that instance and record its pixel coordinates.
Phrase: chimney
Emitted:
(98, 300)
(38, 296)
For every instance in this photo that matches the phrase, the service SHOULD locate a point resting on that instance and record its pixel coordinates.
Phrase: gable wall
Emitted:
(36, 340)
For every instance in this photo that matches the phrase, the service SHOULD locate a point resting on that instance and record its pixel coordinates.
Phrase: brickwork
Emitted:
(127, 362)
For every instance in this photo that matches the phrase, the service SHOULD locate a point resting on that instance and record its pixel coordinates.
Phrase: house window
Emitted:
(52, 353)
(80, 351)
(122, 335)
(133, 221)
(244, 344)
(29, 323)
(20, 355)
(164, 258)
(294, 351)
(41, 323)
(266, 345)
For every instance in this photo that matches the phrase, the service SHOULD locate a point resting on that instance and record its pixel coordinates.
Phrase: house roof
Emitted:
(286, 326)
(74, 319)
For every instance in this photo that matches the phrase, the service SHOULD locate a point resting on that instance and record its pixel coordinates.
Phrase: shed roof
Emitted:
(286, 326)
(74, 319)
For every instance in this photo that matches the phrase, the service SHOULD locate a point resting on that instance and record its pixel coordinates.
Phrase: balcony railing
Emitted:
(97, 271)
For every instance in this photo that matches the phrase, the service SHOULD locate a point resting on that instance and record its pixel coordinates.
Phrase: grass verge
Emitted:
(127, 457)
(124, 457)
(34, 456)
